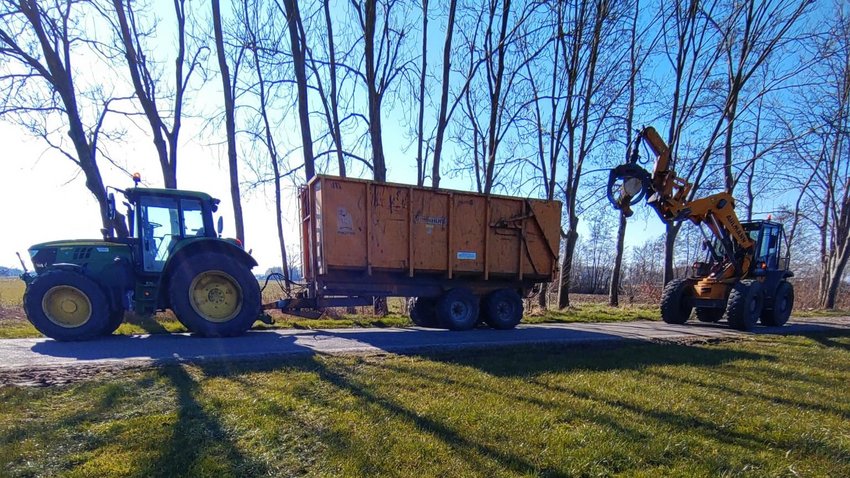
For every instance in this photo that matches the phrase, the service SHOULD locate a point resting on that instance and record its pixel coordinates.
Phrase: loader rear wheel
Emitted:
(745, 305)
(66, 305)
(422, 311)
(674, 305)
(457, 309)
(502, 309)
(214, 295)
(705, 314)
(780, 310)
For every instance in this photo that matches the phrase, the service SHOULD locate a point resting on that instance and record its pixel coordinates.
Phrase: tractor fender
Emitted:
(190, 247)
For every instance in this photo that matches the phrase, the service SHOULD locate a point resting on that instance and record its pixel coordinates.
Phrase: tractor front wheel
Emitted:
(66, 305)
(674, 302)
(214, 295)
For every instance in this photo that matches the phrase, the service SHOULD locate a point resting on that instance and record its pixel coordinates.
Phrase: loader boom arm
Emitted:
(668, 194)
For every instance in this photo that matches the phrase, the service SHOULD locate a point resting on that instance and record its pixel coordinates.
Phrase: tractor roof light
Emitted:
(137, 178)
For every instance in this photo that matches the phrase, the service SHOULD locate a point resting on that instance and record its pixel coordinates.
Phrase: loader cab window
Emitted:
(768, 248)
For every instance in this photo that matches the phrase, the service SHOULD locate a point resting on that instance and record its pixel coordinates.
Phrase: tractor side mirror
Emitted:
(220, 225)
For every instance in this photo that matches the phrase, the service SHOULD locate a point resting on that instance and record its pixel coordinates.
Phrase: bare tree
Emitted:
(293, 18)
(227, 84)
(149, 87)
(385, 60)
(260, 30)
(39, 45)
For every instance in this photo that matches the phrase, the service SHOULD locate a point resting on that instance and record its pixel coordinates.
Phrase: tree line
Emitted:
(536, 97)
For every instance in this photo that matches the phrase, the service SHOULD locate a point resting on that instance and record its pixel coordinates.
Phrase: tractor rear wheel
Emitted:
(674, 304)
(705, 314)
(422, 311)
(66, 305)
(214, 295)
(502, 309)
(116, 317)
(744, 305)
(780, 310)
(457, 309)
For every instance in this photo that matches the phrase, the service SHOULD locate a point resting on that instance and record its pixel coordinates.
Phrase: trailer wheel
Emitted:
(214, 295)
(745, 305)
(674, 306)
(705, 314)
(779, 312)
(502, 309)
(66, 305)
(422, 311)
(457, 309)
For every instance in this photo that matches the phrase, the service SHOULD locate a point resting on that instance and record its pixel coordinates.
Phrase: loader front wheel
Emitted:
(215, 296)
(745, 305)
(674, 304)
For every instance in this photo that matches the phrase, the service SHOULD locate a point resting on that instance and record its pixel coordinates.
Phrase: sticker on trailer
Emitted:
(344, 223)
(467, 256)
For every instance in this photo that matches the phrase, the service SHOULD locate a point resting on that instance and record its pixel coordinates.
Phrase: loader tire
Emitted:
(457, 309)
(422, 311)
(709, 315)
(744, 305)
(502, 309)
(780, 308)
(214, 295)
(66, 306)
(674, 306)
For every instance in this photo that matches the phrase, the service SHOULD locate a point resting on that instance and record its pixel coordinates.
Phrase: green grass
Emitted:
(759, 407)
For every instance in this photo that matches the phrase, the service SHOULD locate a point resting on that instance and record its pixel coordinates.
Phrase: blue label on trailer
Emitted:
(467, 256)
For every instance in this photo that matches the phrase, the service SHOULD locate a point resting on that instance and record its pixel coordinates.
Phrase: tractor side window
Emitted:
(193, 218)
(160, 224)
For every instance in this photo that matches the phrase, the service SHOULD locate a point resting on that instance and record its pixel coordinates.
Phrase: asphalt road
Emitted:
(21, 354)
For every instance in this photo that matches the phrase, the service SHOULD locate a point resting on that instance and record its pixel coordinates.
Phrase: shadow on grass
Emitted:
(199, 444)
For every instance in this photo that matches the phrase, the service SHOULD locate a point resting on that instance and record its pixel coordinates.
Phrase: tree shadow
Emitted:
(199, 443)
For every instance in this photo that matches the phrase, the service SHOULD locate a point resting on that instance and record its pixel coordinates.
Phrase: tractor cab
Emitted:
(161, 218)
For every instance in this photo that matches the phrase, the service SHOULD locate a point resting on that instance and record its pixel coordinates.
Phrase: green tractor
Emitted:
(170, 257)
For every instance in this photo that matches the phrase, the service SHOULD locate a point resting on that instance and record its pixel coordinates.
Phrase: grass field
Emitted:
(758, 407)
(13, 323)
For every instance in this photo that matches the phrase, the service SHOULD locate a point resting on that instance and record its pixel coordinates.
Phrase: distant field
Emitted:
(765, 406)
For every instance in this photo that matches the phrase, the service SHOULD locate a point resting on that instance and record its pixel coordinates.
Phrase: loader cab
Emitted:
(769, 237)
(161, 218)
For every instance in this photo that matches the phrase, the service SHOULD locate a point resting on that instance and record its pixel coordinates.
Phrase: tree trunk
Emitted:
(567, 265)
(374, 96)
(671, 231)
(229, 121)
(614, 292)
(444, 97)
(420, 160)
(335, 129)
(293, 17)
